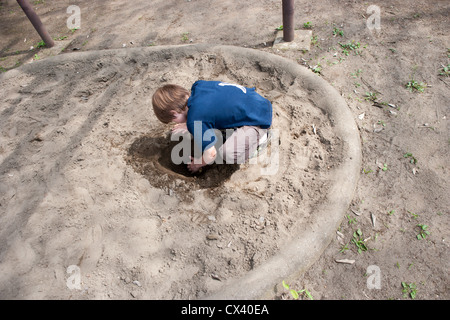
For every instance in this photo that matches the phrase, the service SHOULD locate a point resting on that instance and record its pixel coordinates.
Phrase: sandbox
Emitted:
(85, 181)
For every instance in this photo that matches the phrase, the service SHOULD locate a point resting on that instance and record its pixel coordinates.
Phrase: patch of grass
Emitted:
(338, 32)
(414, 85)
(358, 241)
(409, 289)
(185, 36)
(60, 38)
(412, 160)
(351, 46)
(308, 25)
(423, 232)
(357, 73)
(40, 44)
(351, 220)
(371, 96)
(296, 294)
(445, 71)
(345, 247)
(414, 215)
(317, 68)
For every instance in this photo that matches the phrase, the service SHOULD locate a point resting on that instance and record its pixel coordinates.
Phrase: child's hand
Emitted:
(179, 128)
(194, 166)
(208, 157)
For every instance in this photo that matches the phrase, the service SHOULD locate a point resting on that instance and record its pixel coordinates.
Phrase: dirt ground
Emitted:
(75, 170)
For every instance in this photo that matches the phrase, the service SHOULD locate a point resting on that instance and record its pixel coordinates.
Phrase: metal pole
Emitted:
(288, 20)
(36, 22)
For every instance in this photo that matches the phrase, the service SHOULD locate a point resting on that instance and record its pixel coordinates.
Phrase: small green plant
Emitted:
(314, 40)
(391, 212)
(357, 73)
(2, 69)
(307, 25)
(344, 248)
(337, 31)
(445, 71)
(371, 96)
(296, 294)
(351, 46)
(358, 241)
(184, 36)
(423, 231)
(414, 85)
(40, 44)
(36, 57)
(409, 289)
(317, 68)
(351, 220)
(60, 38)
(279, 28)
(367, 171)
(414, 215)
(74, 29)
(384, 167)
(413, 160)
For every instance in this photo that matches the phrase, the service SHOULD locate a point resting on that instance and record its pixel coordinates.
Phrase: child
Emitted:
(242, 113)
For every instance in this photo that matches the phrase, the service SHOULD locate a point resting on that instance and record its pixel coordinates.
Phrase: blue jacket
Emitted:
(220, 105)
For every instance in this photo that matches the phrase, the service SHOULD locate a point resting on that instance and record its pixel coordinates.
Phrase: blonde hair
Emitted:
(167, 98)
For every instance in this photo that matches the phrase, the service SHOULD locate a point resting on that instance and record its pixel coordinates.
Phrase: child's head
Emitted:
(169, 99)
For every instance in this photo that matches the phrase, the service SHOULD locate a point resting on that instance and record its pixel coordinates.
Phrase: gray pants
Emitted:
(242, 143)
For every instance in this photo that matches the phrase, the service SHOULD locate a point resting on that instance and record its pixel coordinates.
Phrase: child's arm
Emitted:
(208, 157)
